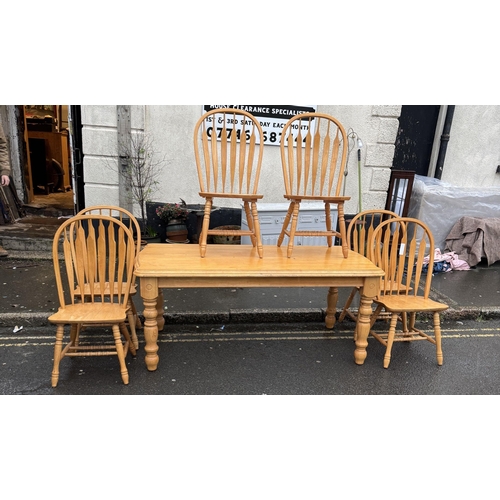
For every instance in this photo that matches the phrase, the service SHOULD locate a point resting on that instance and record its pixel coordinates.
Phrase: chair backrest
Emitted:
(361, 228)
(97, 250)
(313, 155)
(121, 214)
(228, 146)
(404, 248)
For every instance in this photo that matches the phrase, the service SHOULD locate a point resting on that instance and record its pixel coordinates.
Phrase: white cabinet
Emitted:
(272, 215)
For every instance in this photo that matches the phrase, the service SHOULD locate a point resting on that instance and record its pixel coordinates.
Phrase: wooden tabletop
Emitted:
(180, 266)
(242, 261)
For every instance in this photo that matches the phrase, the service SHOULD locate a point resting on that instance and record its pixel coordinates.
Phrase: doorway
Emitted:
(415, 138)
(48, 168)
(49, 164)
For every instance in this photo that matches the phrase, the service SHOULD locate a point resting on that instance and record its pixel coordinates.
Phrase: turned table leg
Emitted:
(331, 307)
(369, 291)
(160, 320)
(150, 297)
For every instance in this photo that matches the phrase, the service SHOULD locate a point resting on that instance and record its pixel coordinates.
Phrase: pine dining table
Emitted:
(171, 266)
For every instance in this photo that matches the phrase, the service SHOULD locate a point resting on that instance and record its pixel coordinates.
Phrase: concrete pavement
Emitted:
(253, 341)
(28, 292)
(28, 296)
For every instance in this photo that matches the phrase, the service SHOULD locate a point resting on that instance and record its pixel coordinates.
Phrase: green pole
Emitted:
(360, 144)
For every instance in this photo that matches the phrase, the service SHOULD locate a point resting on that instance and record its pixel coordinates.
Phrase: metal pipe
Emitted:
(360, 194)
(445, 137)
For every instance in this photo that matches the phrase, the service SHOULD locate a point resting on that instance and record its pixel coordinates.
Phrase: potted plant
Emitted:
(140, 166)
(174, 215)
(150, 235)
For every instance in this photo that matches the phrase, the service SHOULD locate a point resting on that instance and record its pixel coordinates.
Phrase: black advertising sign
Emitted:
(272, 117)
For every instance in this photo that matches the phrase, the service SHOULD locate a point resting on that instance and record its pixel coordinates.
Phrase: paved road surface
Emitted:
(274, 359)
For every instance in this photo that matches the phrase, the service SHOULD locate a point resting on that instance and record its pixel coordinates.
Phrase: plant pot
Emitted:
(227, 240)
(145, 239)
(176, 232)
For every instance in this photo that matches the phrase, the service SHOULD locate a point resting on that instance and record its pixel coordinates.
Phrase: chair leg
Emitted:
(408, 328)
(390, 340)
(256, 229)
(295, 218)
(285, 224)
(349, 300)
(404, 321)
(57, 354)
(250, 222)
(410, 325)
(328, 220)
(121, 355)
(126, 335)
(138, 324)
(131, 322)
(437, 336)
(342, 230)
(375, 314)
(74, 333)
(204, 227)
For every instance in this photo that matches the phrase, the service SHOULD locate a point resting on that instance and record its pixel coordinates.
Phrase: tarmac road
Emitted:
(257, 359)
(264, 447)
(254, 341)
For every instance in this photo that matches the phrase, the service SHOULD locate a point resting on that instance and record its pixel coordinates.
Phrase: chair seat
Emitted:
(95, 314)
(330, 199)
(409, 303)
(242, 196)
(134, 322)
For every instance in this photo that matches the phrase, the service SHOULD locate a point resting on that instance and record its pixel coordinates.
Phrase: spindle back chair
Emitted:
(228, 147)
(359, 232)
(89, 252)
(313, 157)
(404, 249)
(132, 223)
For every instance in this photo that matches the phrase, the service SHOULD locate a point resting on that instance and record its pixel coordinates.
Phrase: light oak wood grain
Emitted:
(399, 247)
(313, 158)
(228, 160)
(132, 223)
(170, 266)
(359, 232)
(98, 250)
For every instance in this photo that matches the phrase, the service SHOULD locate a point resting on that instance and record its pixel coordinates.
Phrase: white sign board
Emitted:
(272, 117)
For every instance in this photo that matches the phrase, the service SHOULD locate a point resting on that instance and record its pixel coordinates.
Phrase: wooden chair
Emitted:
(228, 146)
(132, 223)
(399, 247)
(313, 157)
(359, 232)
(97, 250)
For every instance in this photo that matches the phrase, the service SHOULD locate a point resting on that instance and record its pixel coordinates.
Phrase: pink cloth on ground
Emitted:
(456, 263)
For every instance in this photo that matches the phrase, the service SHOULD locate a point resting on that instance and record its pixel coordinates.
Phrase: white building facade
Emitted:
(172, 130)
(472, 154)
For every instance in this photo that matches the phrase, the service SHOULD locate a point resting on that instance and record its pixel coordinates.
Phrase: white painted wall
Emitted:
(100, 146)
(472, 156)
(473, 152)
(172, 128)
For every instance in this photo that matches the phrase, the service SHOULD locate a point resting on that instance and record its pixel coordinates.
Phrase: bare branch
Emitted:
(141, 165)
